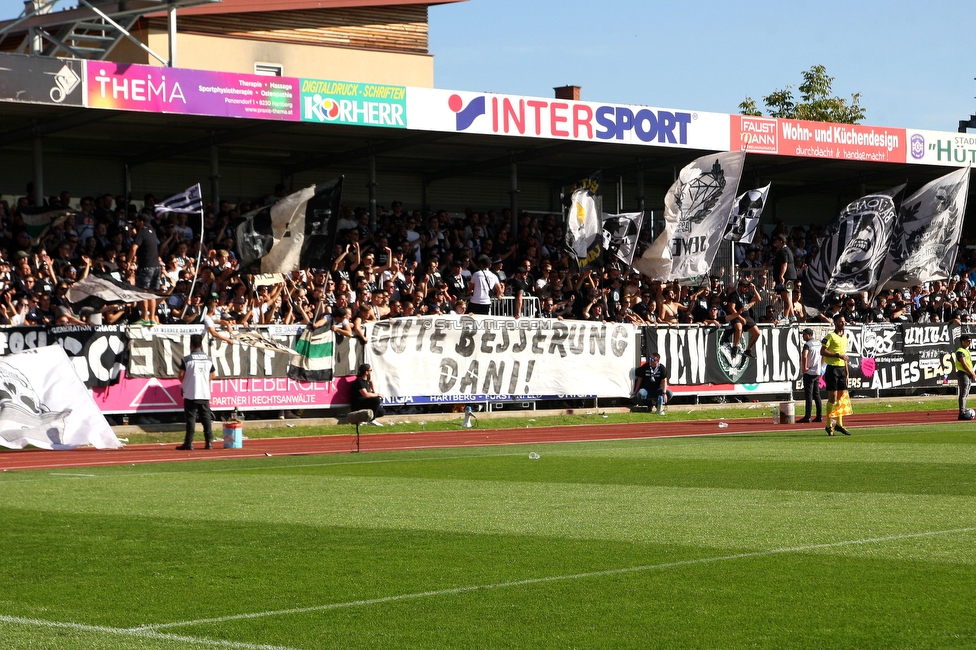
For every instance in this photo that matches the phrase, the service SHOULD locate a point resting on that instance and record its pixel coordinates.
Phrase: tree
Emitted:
(815, 103)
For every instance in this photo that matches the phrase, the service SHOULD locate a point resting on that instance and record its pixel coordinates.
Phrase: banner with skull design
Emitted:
(43, 403)
(927, 233)
(858, 264)
(696, 213)
(584, 225)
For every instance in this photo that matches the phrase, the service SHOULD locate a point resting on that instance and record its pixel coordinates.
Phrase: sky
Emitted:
(912, 62)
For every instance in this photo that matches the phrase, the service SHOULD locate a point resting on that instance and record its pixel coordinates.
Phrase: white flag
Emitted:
(584, 223)
(190, 201)
(45, 404)
(696, 212)
(927, 233)
(746, 214)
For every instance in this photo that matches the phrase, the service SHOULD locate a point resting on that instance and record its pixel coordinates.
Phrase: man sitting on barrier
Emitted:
(364, 395)
(651, 388)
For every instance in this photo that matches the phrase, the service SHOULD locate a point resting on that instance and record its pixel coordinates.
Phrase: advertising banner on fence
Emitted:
(149, 394)
(703, 355)
(882, 356)
(817, 139)
(132, 87)
(41, 80)
(432, 109)
(446, 357)
(343, 102)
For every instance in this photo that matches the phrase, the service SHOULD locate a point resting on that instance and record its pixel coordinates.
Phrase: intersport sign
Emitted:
(519, 116)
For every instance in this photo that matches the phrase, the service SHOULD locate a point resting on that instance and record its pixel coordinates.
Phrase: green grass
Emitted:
(750, 541)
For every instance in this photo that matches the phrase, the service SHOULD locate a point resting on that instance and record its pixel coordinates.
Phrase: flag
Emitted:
(189, 201)
(584, 225)
(99, 289)
(43, 403)
(38, 219)
(745, 215)
(296, 232)
(259, 339)
(927, 233)
(857, 265)
(696, 212)
(620, 233)
(313, 358)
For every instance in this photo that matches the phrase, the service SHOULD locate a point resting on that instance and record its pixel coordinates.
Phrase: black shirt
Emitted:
(651, 378)
(147, 255)
(358, 401)
(785, 255)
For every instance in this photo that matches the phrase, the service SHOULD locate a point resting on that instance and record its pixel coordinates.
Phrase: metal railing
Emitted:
(505, 306)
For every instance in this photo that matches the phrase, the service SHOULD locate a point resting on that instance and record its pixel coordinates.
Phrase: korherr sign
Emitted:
(345, 102)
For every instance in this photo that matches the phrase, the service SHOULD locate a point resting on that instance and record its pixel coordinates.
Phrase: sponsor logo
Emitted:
(65, 81)
(353, 103)
(466, 114)
(528, 116)
(757, 135)
(918, 146)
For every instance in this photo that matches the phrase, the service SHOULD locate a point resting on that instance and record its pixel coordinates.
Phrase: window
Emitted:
(269, 69)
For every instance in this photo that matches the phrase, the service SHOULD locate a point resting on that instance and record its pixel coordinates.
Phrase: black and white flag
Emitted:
(584, 225)
(99, 289)
(620, 232)
(858, 264)
(927, 233)
(296, 232)
(189, 201)
(696, 212)
(745, 215)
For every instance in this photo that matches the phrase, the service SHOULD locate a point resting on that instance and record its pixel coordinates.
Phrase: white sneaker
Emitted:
(374, 423)
(661, 411)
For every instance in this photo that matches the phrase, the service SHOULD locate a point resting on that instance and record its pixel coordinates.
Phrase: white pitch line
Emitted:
(65, 474)
(533, 581)
(139, 632)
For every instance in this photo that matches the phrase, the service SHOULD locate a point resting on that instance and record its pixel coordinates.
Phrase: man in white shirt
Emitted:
(196, 372)
(484, 284)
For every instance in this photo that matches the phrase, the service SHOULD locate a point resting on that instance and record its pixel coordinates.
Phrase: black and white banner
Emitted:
(43, 403)
(157, 351)
(96, 353)
(745, 215)
(884, 356)
(696, 213)
(477, 357)
(703, 355)
(927, 233)
(620, 233)
(858, 266)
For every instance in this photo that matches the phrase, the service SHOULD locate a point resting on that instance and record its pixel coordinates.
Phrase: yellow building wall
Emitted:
(344, 64)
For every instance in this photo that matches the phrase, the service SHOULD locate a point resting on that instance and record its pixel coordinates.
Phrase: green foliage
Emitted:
(816, 103)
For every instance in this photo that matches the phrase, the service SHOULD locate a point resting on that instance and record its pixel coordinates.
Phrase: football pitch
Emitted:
(788, 539)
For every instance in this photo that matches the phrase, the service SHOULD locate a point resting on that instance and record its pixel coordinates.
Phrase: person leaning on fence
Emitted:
(196, 371)
(738, 306)
(484, 284)
(364, 395)
(651, 386)
(964, 374)
(810, 361)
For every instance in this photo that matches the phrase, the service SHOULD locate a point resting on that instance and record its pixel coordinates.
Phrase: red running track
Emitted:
(374, 440)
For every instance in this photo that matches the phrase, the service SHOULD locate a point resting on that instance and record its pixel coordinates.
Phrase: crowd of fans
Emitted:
(407, 264)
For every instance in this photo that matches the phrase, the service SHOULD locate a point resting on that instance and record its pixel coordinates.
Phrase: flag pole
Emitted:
(196, 269)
